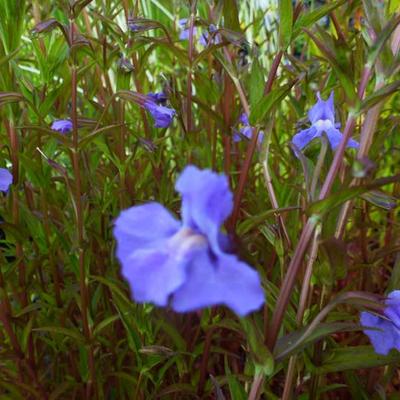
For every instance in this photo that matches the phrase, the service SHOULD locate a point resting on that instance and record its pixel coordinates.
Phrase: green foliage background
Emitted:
(68, 328)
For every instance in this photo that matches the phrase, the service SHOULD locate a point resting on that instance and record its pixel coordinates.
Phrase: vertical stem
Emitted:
(189, 77)
(204, 362)
(287, 390)
(289, 281)
(23, 293)
(252, 144)
(84, 291)
(273, 199)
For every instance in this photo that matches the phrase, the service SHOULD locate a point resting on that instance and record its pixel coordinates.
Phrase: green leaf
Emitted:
(231, 15)
(84, 363)
(285, 23)
(73, 334)
(380, 199)
(379, 95)
(356, 357)
(79, 5)
(261, 355)
(103, 324)
(26, 333)
(310, 18)
(261, 109)
(323, 206)
(295, 341)
(256, 83)
(236, 390)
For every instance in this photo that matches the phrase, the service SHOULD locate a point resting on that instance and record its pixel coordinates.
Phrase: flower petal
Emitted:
(323, 109)
(5, 179)
(162, 116)
(302, 138)
(335, 137)
(62, 125)
(206, 202)
(154, 273)
(219, 280)
(384, 339)
(142, 226)
(244, 119)
(392, 310)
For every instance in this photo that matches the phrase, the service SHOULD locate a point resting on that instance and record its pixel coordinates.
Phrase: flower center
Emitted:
(185, 241)
(324, 124)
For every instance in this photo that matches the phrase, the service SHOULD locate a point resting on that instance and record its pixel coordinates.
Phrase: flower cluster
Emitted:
(385, 332)
(207, 36)
(246, 130)
(322, 118)
(184, 34)
(210, 36)
(6, 179)
(185, 264)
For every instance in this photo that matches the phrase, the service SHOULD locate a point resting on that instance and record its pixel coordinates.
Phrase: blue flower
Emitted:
(322, 118)
(185, 31)
(387, 336)
(185, 264)
(5, 179)
(134, 27)
(207, 37)
(162, 116)
(159, 97)
(62, 125)
(246, 130)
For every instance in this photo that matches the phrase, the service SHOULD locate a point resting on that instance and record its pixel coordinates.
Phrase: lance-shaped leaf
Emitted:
(10, 97)
(78, 6)
(260, 109)
(285, 23)
(311, 17)
(297, 340)
(379, 95)
(356, 357)
(321, 207)
(48, 26)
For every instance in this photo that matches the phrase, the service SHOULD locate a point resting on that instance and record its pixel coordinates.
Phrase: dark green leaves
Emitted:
(266, 103)
(355, 357)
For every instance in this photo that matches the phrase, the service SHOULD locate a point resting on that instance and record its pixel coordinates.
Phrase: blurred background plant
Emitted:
(322, 229)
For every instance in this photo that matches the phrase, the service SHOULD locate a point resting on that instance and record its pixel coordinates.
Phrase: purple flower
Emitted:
(62, 125)
(246, 130)
(134, 27)
(162, 115)
(322, 118)
(159, 97)
(207, 37)
(5, 179)
(184, 264)
(185, 32)
(386, 335)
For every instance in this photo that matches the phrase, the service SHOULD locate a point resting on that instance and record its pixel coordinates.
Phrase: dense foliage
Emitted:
(232, 82)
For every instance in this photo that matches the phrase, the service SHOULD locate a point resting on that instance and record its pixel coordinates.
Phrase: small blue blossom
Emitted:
(322, 118)
(208, 37)
(386, 333)
(62, 125)
(185, 264)
(162, 115)
(159, 97)
(246, 130)
(134, 27)
(185, 31)
(6, 179)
